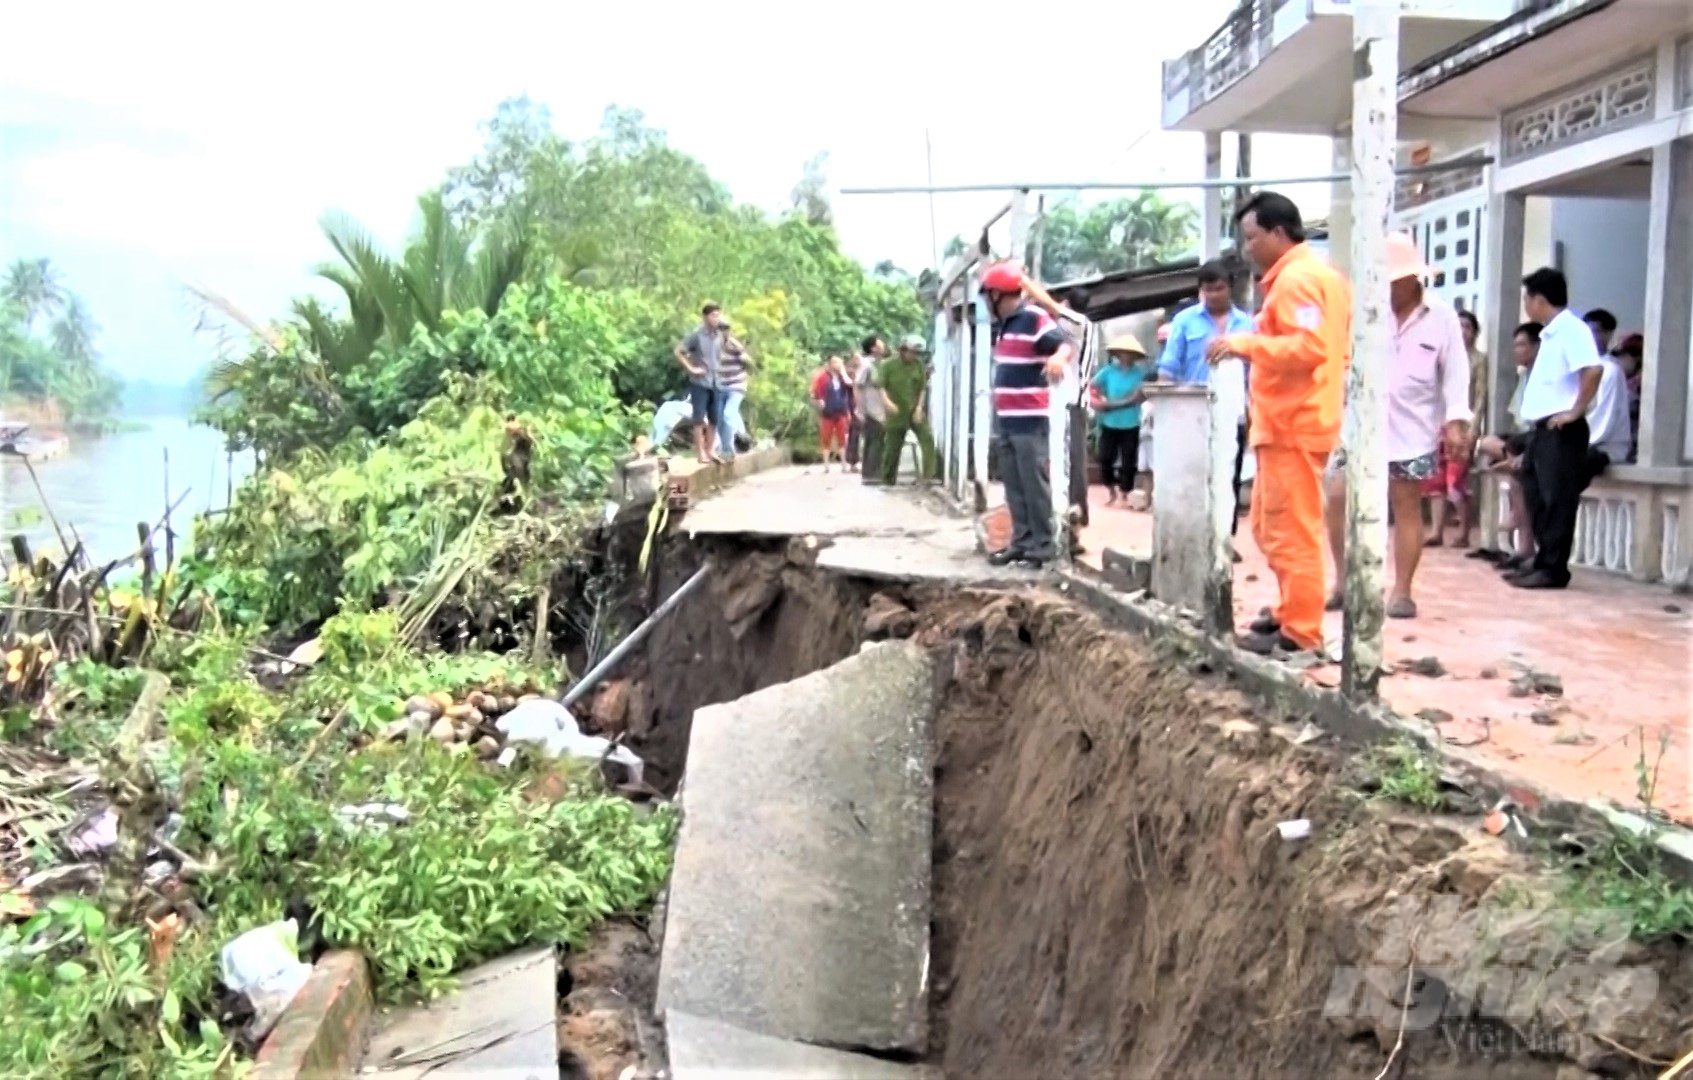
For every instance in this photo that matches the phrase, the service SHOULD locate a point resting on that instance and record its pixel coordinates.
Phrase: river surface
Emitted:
(104, 485)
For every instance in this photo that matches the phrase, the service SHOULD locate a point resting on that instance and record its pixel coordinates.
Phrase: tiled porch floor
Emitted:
(1623, 651)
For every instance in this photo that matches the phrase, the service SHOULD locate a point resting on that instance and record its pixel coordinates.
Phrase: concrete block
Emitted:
(799, 903)
(499, 1023)
(707, 1050)
(322, 1032)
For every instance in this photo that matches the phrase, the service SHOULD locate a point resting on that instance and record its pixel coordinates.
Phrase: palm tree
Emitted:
(73, 336)
(36, 287)
(446, 266)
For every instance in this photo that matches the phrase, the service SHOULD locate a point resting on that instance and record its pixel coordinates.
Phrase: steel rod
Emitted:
(638, 635)
(1471, 162)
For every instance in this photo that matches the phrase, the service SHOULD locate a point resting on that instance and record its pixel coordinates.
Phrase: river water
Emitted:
(103, 486)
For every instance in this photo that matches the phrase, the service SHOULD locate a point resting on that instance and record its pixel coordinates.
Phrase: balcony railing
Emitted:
(1414, 191)
(1227, 55)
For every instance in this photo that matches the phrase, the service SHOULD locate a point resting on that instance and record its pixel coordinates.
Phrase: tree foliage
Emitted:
(1121, 234)
(47, 345)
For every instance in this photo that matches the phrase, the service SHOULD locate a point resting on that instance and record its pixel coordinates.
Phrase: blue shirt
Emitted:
(1116, 382)
(1190, 332)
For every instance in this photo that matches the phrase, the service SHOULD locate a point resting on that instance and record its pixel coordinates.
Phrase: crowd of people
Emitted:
(1572, 414)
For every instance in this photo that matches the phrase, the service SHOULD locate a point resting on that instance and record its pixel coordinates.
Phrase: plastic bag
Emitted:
(264, 966)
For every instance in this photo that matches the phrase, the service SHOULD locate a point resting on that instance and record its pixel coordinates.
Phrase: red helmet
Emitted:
(1005, 277)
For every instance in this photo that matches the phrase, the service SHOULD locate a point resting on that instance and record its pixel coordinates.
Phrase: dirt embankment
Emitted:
(1113, 897)
(763, 617)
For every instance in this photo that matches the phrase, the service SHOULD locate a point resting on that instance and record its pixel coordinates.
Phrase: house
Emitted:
(1574, 121)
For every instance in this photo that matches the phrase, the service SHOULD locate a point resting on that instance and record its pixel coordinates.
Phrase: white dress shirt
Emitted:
(1607, 418)
(1554, 382)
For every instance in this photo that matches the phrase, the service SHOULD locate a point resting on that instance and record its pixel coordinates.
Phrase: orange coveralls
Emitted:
(1299, 356)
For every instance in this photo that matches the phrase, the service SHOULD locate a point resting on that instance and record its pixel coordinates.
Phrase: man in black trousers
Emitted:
(1555, 468)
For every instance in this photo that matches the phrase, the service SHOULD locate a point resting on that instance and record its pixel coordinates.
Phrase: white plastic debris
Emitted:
(549, 726)
(94, 835)
(264, 966)
(375, 813)
(1299, 829)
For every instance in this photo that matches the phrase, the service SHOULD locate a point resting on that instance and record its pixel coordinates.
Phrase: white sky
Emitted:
(144, 145)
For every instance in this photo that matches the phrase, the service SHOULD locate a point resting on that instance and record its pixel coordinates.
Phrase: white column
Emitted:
(1507, 220)
(1020, 226)
(1062, 394)
(1211, 212)
(964, 368)
(1375, 120)
(1225, 404)
(981, 389)
(1666, 439)
(1340, 202)
(944, 375)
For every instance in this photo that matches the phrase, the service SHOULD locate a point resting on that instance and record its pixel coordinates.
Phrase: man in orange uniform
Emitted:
(1299, 356)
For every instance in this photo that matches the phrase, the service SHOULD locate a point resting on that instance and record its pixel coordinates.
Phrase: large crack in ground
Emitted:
(1113, 897)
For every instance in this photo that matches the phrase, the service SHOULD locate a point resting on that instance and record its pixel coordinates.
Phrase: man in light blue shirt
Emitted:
(1191, 333)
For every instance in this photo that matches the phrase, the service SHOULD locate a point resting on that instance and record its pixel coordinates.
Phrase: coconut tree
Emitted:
(36, 287)
(73, 337)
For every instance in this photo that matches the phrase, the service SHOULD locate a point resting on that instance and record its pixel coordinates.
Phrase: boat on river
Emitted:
(17, 440)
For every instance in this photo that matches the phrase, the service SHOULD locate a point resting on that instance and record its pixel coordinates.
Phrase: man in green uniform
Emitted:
(903, 382)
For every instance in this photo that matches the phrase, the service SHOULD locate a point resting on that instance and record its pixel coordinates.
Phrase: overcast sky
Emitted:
(144, 145)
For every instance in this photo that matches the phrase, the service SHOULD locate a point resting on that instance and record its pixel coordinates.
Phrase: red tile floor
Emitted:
(1623, 651)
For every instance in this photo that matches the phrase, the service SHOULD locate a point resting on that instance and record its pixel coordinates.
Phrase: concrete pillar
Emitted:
(1507, 224)
(943, 364)
(1211, 210)
(1340, 203)
(1375, 121)
(1185, 540)
(1666, 439)
(981, 391)
(1020, 226)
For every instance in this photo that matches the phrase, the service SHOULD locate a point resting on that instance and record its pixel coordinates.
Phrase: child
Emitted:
(1118, 396)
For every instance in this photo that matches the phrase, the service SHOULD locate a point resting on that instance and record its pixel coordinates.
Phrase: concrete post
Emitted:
(1375, 120)
(962, 403)
(1340, 203)
(1666, 438)
(1062, 394)
(1211, 210)
(1226, 403)
(1246, 284)
(981, 389)
(1020, 226)
(1507, 219)
(943, 366)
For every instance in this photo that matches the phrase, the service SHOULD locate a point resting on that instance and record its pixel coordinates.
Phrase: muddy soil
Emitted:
(1114, 899)
(1112, 895)
(763, 617)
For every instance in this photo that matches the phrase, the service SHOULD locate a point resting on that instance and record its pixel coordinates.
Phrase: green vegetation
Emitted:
(1404, 772)
(47, 353)
(1079, 241)
(433, 452)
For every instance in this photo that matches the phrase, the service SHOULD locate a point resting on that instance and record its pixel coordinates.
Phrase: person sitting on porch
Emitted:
(1612, 435)
(1502, 454)
(1191, 333)
(1299, 354)
(1428, 410)
(1603, 325)
(1118, 395)
(1560, 389)
(1631, 354)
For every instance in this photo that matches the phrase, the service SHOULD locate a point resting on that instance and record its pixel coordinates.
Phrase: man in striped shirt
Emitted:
(1030, 353)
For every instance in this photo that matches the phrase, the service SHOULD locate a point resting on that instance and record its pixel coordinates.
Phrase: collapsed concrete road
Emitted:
(800, 901)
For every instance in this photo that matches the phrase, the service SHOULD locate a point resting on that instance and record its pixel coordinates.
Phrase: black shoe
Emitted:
(1028, 563)
(1268, 644)
(1492, 555)
(1264, 624)
(1004, 557)
(1537, 579)
(1516, 563)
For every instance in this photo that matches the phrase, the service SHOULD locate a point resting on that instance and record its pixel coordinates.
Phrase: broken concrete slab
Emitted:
(799, 902)
(707, 1050)
(498, 1023)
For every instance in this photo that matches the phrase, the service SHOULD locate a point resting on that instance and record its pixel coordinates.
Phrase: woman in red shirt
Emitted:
(831, 393)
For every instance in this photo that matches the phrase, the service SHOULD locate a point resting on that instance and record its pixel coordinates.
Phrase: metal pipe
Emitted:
(624, 647)
(1470, 162)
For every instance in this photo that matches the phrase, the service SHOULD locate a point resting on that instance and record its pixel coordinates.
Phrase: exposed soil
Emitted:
(1113, 898)
(1112, 895)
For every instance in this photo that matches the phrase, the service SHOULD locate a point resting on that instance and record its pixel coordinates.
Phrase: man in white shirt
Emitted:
(1428, 408)
(1610, 431)
(1557, 395)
